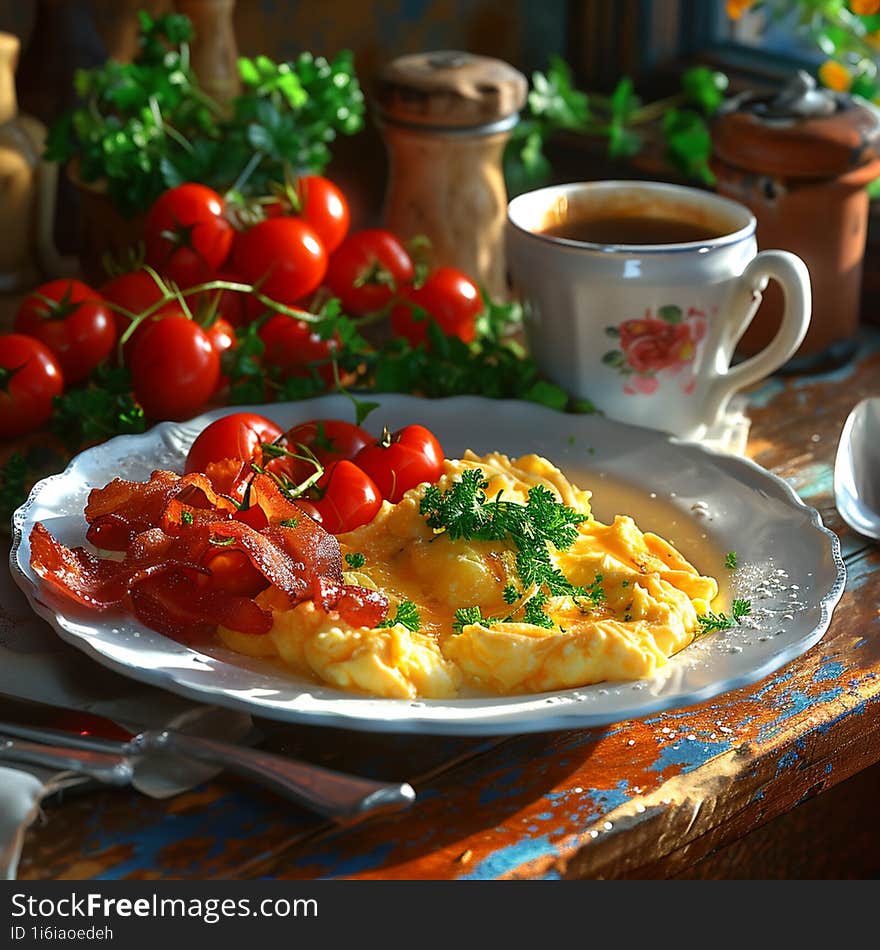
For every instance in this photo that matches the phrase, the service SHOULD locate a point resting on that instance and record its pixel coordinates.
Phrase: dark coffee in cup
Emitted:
(632, 229)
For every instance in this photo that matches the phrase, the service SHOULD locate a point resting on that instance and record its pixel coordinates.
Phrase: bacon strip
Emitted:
(89, 580)
(359, 606)
(170, 528)
(175, 605)
(122, 509)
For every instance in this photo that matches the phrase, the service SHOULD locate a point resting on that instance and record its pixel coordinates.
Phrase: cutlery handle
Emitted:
(335, 795)
(105, 767)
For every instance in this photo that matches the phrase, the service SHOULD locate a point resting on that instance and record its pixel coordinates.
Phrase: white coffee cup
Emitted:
(647, 331)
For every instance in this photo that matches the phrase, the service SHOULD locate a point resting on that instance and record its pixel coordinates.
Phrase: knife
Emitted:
(342, 797)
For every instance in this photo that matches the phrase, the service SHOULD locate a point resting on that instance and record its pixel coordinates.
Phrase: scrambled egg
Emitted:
(651, 598)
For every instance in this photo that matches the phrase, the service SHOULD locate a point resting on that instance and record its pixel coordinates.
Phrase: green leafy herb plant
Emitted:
(627, 124)
(145, 126)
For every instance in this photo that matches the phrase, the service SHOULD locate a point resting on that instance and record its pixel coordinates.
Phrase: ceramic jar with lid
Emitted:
(445, 117)
(801, 160)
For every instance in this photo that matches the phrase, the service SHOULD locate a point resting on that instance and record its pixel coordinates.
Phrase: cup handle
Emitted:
(791, 272)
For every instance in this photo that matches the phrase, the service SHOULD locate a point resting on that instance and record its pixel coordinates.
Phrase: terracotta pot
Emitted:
(803, 175)
(105, 235)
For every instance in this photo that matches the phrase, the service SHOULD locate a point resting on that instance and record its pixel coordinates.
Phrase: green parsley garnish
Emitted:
(187, 517)
(354, 561)
(595, 592)
(407, 615)
(711, 621)
(511, 594)
(730, 560)
(467, 615)
(534, 612)
(464, 512)
(289, 522)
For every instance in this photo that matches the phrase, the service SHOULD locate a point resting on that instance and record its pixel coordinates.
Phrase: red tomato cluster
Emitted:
(300, 245)
(338, 472)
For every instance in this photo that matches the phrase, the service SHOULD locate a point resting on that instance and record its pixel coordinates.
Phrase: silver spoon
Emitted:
(857, 469)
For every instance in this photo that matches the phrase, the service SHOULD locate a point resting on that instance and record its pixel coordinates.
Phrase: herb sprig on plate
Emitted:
(711, 622)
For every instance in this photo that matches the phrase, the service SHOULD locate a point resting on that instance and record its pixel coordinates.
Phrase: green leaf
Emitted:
(146, 125)
(705, 87)
(101, 408)
(624, 101)
(670, 313)
(613, 358)
(465, 616)
(248, 71)
(407, 615)
(13, 485)
(583, 406)
(688, 144)
(623, 142)
(547, 394)
(362, 408)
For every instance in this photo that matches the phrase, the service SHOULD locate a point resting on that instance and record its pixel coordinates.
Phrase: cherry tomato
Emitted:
(324, 206)
(186, 233)
(232, 571)
(222, 336)
(367, 270)
(346, 497)
(401, 460)
(329, 440)
(186, 268)
(448, 297)
(294, 347)
(73, 321)
(284, 256)
(174, 368)
(136, 292)
(236, 436)
(30, 377)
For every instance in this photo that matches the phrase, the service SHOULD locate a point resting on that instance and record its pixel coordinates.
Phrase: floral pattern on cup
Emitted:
(661, 344)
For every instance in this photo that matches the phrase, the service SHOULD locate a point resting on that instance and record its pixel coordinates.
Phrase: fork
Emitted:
(340, 796)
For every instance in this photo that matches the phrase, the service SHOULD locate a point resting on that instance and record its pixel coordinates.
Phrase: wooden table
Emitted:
(775, 780)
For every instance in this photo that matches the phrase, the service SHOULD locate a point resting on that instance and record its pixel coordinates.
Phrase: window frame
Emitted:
(657, 39)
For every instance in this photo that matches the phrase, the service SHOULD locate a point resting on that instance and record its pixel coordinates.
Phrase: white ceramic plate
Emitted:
(706, 503)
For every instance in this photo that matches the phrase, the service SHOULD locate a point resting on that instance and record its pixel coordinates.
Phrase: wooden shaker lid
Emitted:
(449, 89)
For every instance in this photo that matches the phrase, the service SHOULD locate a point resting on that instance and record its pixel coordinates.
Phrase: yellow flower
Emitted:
(864, 7)
(736, 8)
(835, 76)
